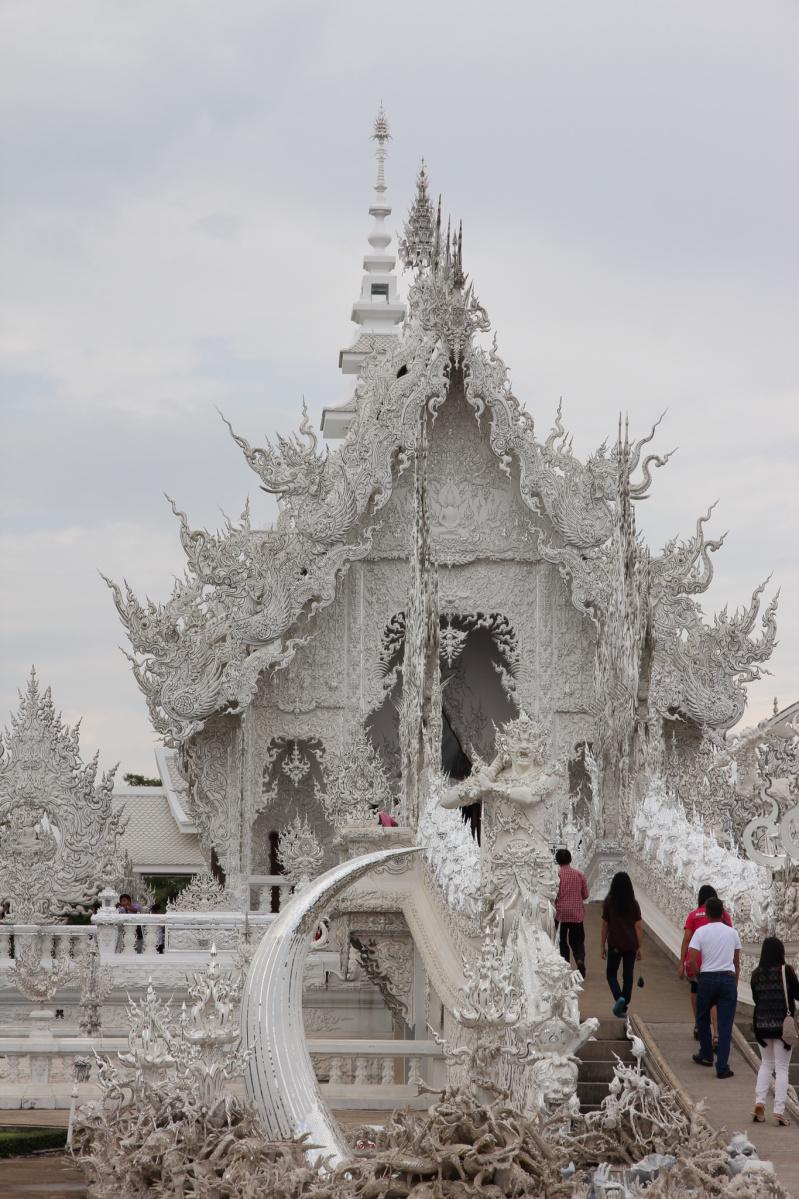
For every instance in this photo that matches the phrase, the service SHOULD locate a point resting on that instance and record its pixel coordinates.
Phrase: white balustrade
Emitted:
(171, 933)
(137, 935)
(273, 892)
(371, 1063)
(336, 1075)
(45, 1064)
(130, 937)
(54, 940)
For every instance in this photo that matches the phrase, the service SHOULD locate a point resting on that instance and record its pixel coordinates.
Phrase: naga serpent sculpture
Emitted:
(279, 1077)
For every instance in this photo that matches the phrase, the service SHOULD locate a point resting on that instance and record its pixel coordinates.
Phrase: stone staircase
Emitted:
(597, 1062)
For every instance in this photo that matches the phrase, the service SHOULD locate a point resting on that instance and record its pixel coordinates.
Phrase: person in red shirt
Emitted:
(693, 921)
(569, 910)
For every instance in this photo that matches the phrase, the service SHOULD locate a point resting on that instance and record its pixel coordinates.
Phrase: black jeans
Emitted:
(717, 988)
(625, 958)
(572, 932)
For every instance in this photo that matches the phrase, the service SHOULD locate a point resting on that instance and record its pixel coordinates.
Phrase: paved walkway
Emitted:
(43, 1176)
(36, 1117)
(730, 1100)
(663, 997)
(664, 1004)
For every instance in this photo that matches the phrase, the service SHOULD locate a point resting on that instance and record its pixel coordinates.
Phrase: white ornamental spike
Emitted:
(279, 1076)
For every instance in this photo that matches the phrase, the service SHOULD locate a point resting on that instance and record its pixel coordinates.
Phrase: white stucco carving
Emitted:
(451, 851)
(203, 894)
(355, 787)
(59, 835)
(252, 597)
(300, 853)
(680, 856)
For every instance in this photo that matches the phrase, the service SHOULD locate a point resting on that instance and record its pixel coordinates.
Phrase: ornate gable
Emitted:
(251, 597)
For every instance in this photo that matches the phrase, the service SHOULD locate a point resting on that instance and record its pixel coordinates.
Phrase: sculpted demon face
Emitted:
(524, 742)
(556, 1078)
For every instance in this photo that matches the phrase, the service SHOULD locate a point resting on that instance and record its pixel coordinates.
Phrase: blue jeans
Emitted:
(626, 959)
(719, 989)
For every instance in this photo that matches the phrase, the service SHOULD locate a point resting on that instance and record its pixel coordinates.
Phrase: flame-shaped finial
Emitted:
(381, 130)
(381, 135)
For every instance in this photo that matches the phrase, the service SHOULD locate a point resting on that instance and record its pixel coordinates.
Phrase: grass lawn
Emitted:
(14, 1142)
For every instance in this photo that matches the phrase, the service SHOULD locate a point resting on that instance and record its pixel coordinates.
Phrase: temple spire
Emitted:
(418, 236)
(381, 135)
(378, 309)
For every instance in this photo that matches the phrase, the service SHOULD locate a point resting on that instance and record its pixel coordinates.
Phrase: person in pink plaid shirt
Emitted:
(569, 910)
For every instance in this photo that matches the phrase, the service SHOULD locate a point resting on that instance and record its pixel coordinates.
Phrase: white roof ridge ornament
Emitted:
(416, 245)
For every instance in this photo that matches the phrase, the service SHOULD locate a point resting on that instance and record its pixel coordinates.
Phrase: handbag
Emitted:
(790, 1027)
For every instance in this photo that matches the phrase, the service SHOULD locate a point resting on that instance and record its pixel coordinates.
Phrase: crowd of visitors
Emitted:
(710, 960)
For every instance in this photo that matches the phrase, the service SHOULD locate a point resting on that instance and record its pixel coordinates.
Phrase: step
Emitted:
(598, 1059)
(591, 1094)
(596, 1072)
(604, 1051)
(611, 1029)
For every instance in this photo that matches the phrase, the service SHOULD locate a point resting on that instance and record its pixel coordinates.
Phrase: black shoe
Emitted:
(725, 1074)
(700, 1061)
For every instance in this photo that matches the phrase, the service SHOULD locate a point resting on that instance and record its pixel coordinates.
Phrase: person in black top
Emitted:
(771, 982)
(621, 939)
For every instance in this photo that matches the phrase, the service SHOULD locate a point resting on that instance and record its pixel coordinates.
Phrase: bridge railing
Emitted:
(371, 1063)
(54, 940)
(136, 934)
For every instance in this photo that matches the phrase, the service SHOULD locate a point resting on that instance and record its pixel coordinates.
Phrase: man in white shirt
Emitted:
(714, 953)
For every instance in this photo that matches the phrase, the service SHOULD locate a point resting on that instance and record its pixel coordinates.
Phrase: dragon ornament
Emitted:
(701, 670)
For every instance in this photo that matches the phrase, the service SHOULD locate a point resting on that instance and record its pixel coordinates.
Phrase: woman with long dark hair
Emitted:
(775, 990)
(622, 939)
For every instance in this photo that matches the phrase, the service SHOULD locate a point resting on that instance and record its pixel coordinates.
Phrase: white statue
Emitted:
(514, 790)
(520, 882)
(518, 868)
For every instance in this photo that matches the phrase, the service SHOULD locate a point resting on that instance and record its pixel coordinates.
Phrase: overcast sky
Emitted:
(185, 193)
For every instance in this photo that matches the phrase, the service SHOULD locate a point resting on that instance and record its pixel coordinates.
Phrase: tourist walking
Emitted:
(569, 910)
(775, 990)
(693, 921)
(714, 954)
(622, 939)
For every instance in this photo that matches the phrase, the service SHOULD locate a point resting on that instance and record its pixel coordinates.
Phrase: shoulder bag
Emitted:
(790, 1027)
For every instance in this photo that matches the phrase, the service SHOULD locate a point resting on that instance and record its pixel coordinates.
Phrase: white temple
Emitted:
(450, 603)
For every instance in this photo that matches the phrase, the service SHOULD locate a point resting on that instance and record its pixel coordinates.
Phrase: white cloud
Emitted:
(58, 615)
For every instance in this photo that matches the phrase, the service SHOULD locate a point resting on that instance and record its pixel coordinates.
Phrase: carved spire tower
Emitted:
(378, 309)
(418, 237)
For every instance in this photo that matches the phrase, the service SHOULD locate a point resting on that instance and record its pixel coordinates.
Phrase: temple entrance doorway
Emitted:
(478, 663)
